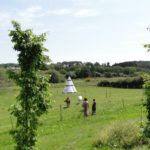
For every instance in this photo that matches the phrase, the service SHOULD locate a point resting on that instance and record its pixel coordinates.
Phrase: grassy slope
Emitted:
(75, 132)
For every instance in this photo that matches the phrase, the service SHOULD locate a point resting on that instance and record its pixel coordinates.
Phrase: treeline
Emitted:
(145, 65)
(77, 69)
(4, 80)
(9, 65)
(136, 82)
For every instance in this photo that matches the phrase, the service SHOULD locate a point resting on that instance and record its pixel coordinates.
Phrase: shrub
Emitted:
(88, 79)
(4, 80)
(104, 83)
(56, 77)
(71, 74)
(107, 74)
(123, 83)
(119, 135)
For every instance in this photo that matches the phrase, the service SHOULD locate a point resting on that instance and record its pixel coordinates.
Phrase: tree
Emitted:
(147, 103)
(85, 72)
(56, 77)
(32, 101)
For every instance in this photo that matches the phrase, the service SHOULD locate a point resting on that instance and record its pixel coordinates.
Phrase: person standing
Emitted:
(85, 107)
(94, 107)
(68, 102)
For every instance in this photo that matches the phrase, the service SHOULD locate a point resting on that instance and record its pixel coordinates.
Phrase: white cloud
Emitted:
(87, 13)
(85, 28)
(34, 9)
(5, 18)
(63, 11)
(123, 11)
(75, 13)
(109, 1)
(30, 13)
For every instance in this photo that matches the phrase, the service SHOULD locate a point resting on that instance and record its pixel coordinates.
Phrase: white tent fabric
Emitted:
(69, 86)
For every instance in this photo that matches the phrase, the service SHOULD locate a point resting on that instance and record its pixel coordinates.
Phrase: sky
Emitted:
(80, 30)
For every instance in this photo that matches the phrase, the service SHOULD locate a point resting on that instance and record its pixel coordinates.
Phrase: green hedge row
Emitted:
(123, 83)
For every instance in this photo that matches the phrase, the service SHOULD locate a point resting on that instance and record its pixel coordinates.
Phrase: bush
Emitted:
(123, 83)
(119, 135)
(104, 83)
(4, 78)
(56, 77)
(107, 74)
(71, 74)
(88, 80)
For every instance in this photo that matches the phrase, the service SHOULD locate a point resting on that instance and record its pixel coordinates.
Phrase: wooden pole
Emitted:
(109, 92)
(106, 92)
(61, 112)
(11, 122)
(123, 103)
(142, 114)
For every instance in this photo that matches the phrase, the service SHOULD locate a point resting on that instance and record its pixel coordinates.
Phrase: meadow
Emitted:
(68, 129)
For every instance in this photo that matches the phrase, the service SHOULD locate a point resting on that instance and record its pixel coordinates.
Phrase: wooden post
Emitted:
(11, 122)
(142, 114)
(60, 112)
(109, 92)
(123, 103)
(106, 92)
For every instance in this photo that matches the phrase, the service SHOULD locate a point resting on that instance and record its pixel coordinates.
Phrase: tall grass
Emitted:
(125, 135)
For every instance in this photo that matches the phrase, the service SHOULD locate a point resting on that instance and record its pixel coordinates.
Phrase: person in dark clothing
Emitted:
(94, 107)
(85, 107)
(68, 102)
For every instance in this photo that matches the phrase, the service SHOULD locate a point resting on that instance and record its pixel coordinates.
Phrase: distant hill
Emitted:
(140, 64)
(9, 65)
(78, 69)
(137, 64)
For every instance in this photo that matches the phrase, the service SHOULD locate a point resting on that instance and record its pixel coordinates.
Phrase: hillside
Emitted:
(77, 69)
(137, 64)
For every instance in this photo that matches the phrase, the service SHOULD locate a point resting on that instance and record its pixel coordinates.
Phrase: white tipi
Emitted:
(69, 86)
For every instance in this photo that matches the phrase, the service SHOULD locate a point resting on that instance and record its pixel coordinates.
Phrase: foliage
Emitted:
(56, 77)
(147, 93)
(121, 135)
(71, 74)
(123, 83)
(4, 80)
(9, 65)
(107, 74)
(32, 101)
(85, 72)
(87, 79)
(137, 64)
(78, 69)
(147, 103)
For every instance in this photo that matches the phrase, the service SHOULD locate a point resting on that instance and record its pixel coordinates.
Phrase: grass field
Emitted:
(75, 132)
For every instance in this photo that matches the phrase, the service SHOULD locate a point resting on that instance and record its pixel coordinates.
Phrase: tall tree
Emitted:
(147, 93)
(33, 99)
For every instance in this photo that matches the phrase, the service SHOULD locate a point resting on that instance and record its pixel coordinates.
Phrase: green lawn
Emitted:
(75, 132)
